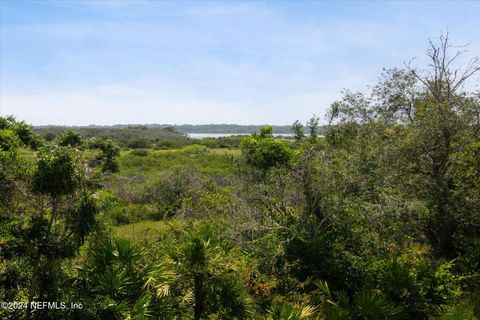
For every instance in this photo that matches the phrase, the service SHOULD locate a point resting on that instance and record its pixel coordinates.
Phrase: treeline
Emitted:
(174, 136)
(138, 137)
(127, 136)
(206, 128)
(228, 128)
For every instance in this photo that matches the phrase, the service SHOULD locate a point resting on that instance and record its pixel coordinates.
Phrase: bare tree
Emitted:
(443, 127)
(443, 80)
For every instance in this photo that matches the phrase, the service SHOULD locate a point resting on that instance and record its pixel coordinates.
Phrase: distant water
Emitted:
(218, 135)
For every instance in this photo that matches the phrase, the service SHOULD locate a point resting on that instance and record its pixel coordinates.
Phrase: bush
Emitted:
(170, 190)
(8, 140)
(420, 285)
(140, 152)
(109, 156)
(23, 131)
(327, 256)
(266, 152)
(466, 308)
(127, 213)
(70, 138)
(138, 144)
(196, 149)
(56, 173)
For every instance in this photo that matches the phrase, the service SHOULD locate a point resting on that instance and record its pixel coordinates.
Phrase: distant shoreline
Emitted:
(204, 129)
(220, 135)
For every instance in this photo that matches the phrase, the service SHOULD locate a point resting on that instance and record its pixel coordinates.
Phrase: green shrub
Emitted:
(196, 149)
(140, 152)
(138, 143)
(291, 312)
(23, 131)
(468, 261)
(56, 172)
(365, 304)
(70, 138)
(127, 213)
(266, 152)
(9, 140)
(170, 190)
(167, 144)
(415, 282)
(465, 308)
(109, 156)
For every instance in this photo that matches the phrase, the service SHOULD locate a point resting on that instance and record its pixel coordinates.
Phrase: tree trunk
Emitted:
(33, 282)
(444, 239)
(199, 295)
(442, 198)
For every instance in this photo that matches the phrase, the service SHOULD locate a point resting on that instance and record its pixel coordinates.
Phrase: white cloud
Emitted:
(202, 62)
(117, 103)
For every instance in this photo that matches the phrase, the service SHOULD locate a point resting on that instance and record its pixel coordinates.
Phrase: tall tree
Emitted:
(425, 120)
(297, 129)
(312, 125)
(444, 124)
(66, 214)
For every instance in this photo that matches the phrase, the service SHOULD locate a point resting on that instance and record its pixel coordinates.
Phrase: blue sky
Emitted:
(252, 62)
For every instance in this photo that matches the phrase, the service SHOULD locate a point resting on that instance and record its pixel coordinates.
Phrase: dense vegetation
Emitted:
(134, 136)
(225, 128)
(160, 136)
(377, 219)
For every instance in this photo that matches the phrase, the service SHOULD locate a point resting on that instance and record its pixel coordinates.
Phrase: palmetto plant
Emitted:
(124, 284)
(193, 277)
(292, 312)
(210, 277)
(366, 304)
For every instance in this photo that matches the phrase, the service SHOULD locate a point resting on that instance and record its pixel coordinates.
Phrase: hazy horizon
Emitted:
(164, 124)
(113, 62)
